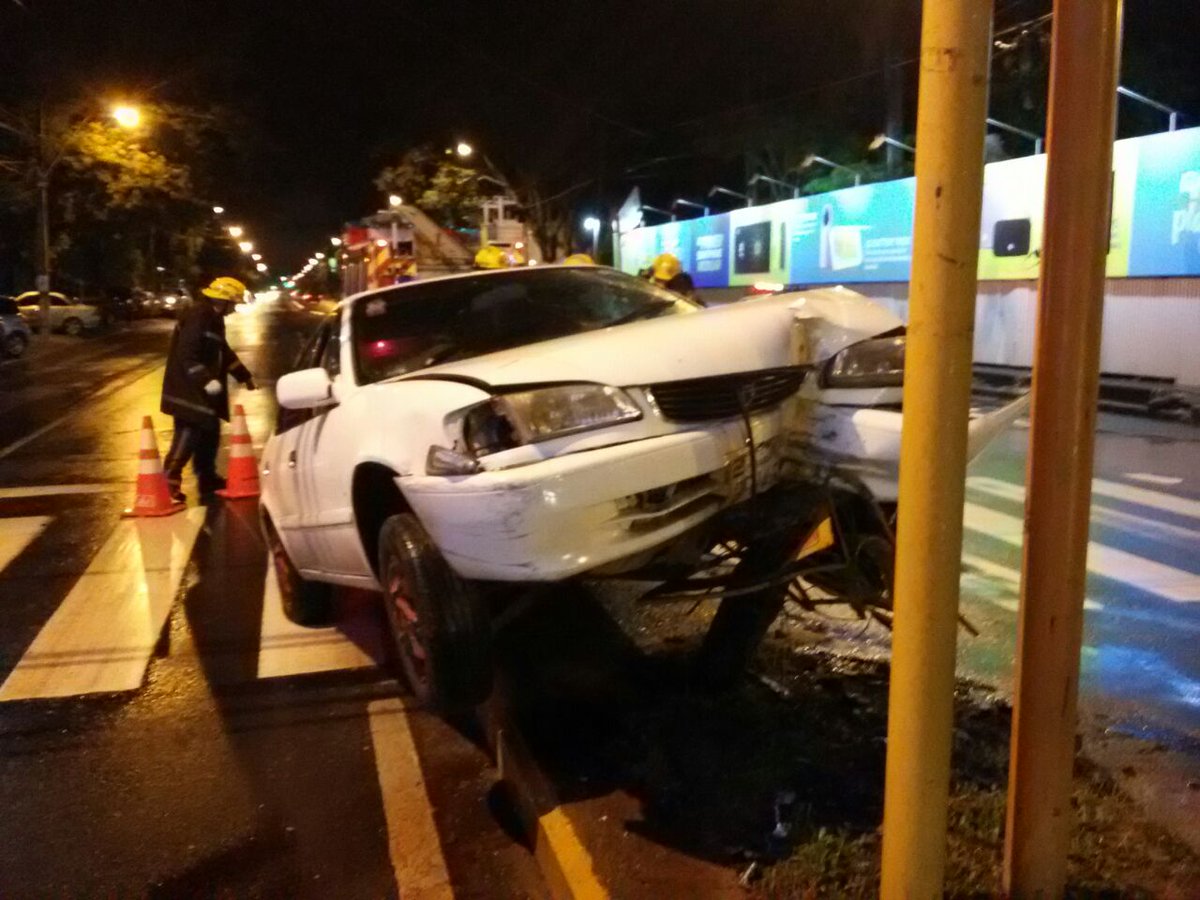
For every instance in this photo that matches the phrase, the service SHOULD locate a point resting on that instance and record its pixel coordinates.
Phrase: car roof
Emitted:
(23, 296)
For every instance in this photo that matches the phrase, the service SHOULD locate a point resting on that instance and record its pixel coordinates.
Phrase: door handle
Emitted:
(291, 459)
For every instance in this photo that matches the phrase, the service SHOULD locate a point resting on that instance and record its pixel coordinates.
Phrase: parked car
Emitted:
(14, 332)
(66, 315)
(540, 424)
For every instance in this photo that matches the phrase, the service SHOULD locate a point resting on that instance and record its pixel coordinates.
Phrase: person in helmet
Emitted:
(578, 259)
(194, 391)
(666, 271)
(491, 257)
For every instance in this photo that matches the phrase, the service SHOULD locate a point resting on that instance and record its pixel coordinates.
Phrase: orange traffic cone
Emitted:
(153, 495)
(242, 480)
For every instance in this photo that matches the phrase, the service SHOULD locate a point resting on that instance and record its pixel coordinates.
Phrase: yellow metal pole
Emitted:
(1082, 117)
(952, 105)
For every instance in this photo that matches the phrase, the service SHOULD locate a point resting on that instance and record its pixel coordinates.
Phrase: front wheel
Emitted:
(73, 327)
(439, 623)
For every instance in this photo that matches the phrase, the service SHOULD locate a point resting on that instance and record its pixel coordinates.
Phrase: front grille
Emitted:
(726, 396)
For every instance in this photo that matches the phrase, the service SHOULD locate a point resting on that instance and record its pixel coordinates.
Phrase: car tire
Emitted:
(73, 327)
(307, 603)
(439, 623)
(741, 622)
(14, 345)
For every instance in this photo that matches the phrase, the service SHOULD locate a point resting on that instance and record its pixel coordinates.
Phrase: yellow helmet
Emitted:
(578, 259)
(225, 288)
(666, 266)
(491, 257)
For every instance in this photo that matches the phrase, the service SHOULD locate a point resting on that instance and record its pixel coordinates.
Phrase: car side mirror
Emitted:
(305, 389)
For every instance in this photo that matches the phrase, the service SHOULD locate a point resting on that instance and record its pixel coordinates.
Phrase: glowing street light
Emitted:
(395, 200)
(336, 241)
(592, 224)
(262, 267)
(464, 149)
(812, 159)
(318, 256)
(235, 231)
(256, 256)
(881, 140)
(127, 116)
(245, 246)
(218, 210)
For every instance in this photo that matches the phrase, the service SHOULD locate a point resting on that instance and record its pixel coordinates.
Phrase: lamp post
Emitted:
(680, 201)
(1172, 114)
(814, 159)
(717, 189)
(795, 189)
(592, 224)
(126, 116)
(1004, 126)
(883, 140)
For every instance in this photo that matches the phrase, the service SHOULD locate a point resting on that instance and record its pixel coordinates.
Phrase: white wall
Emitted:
(1151, 325)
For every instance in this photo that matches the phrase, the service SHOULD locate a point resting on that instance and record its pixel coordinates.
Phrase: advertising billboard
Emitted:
(864, 234)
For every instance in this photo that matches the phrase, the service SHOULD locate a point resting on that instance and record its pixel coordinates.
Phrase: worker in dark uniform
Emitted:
(199, 362)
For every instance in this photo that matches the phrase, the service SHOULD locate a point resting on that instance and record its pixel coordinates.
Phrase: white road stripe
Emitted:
(1102, 515)
(17, 534)
(56, 490)
(1180, 506)
(289, 649)
(102, 635)
(995, 571)
(1109, 562)
(413, 843)
(1149, 478)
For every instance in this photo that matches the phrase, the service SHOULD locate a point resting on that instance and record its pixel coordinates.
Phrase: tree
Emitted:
(437, 184)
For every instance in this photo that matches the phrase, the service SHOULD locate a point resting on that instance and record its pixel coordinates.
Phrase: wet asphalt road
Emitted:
(215, 774)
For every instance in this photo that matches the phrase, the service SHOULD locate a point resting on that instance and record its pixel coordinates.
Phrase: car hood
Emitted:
(741, 337)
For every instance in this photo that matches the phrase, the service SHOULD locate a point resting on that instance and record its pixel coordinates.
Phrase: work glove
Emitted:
(250, 385)
(213, 388)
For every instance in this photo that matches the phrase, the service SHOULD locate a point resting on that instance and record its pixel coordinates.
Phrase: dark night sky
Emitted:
(328, 92)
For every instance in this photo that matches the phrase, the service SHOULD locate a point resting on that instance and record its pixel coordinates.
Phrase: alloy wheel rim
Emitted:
(406, 631)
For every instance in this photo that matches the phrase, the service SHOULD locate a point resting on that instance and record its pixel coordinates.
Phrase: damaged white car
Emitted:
(540, 424)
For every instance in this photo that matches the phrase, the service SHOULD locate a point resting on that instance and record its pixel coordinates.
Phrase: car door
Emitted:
(328, 513)
(286, 464)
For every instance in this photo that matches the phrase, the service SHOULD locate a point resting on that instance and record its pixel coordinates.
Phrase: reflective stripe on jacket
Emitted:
(199, 354)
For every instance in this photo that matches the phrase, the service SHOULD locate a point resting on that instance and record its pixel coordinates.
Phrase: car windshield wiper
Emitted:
(643, 313)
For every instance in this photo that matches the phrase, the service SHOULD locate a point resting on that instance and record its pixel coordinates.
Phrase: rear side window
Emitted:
(8, 307)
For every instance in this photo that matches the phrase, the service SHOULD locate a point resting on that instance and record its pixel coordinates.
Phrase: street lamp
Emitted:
(235, 231)
(256, 256)
(829, 163)
(882, 139)
(127, 116)
(336, 241)
(395, 200)
(464, 149)
(717, 189)
(679, 201)
(245, 246)
(218, 210)
(1004, 126)
(654, 209)
(262, 267)
(592, 224)
(318, 255)
(1172, 114)
(769, 180)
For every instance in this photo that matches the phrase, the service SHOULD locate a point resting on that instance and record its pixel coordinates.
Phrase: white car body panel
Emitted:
(555, 509)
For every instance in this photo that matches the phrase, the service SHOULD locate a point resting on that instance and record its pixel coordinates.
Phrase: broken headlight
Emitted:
(870, 364)
(527, 417)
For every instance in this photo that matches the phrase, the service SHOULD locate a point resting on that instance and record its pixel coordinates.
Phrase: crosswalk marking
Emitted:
(1102, 515)
(1108, 562)
(17, 534)
(102, 635)
(1150, 478)
(289, 649)
(1180, 506)
(1011, 577)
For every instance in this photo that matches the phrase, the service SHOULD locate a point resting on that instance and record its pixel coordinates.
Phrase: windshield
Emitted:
(420, 325)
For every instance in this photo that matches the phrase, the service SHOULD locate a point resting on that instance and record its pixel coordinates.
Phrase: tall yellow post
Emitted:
(1083, 99)
(952, 106)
